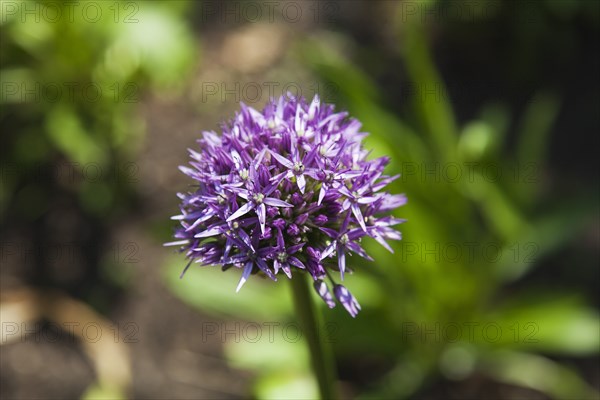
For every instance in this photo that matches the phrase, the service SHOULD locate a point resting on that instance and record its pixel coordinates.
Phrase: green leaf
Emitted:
(13, 80)
(161, 45)
(269, 347)
(278, 354)
(283, 385)
(66, 130)
(557, 325)
(477, 140)
(434, 108)
(534, 128)
(544, 236)
(538, 373)
(211, 290)
(502, 216)
(497, 116)
(98, 391)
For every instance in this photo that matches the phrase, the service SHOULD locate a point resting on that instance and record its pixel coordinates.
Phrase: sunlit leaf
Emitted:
(284, 385)
(211, 290)
(557, 325)
(68, 134)
(538, 373)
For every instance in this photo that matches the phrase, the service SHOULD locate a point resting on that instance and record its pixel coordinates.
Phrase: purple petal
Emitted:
(296, 263)
(264, 268)
(392, 234)
(271, 201)
(389, 221)
(280, 242)
(382, 241)
(243, 193)
(237, 159)
(282, 160)
(313, 173)
(212, 231)
(245, 275)
(346, 192)
(359, 217)
(301, 219)
(350, 174)
(241, 211)
(345, 223)
(301, 181)
(348, 301)
(322, 193)
(391, 202)
(260, 156)
(286, 269)
(177, 243)
(313, 110)
(293, 230)
(209, 214)
(261, 211)
(332, 233)
(367, 199)
(327, 251)
(276, 265)
(245, 238)
(323, 291)
(295, 248)
(341, 260)
(320, 220)
(355, 247)
(356, 233)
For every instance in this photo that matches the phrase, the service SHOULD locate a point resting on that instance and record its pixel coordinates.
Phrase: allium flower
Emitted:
(288, 189)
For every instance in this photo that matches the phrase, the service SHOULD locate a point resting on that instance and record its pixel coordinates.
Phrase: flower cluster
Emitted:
(283, 190)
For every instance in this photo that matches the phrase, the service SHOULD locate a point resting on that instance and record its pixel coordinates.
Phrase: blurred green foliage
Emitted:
(72, 75)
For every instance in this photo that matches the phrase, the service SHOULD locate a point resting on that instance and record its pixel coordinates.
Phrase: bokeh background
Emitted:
(488, 109)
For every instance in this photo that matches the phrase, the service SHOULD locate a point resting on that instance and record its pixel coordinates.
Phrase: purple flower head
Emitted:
(287, 189)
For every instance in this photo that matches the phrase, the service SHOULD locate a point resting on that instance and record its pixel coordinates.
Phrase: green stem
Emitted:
(321, 356)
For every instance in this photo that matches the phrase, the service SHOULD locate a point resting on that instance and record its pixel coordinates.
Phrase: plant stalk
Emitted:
(320, 352)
